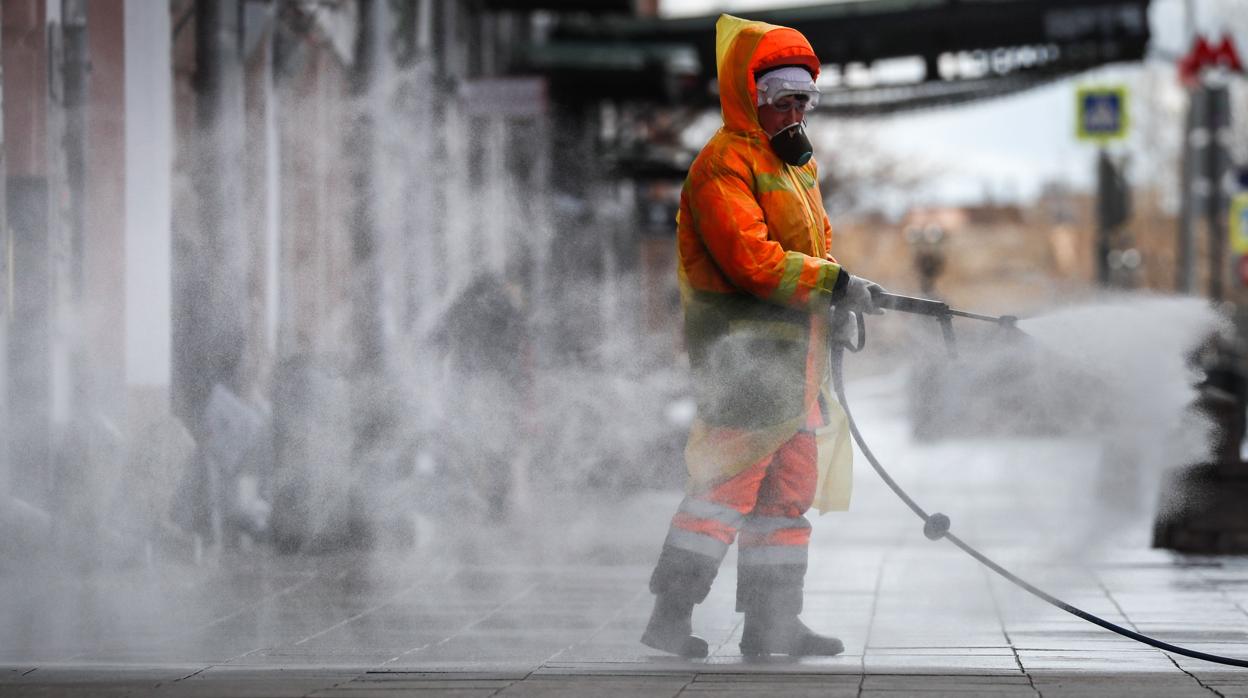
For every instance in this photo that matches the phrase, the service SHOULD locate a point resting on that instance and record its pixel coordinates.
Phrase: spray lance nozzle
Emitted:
(942, 312)
(937, 309)
(918, 306)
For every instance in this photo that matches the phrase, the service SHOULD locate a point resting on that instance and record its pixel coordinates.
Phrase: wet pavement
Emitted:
(554, 603)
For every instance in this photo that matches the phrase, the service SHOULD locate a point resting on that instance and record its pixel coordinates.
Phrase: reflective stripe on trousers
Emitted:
(764, 502)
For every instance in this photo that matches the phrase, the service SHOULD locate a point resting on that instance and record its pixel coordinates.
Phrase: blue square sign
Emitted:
(1102, 113)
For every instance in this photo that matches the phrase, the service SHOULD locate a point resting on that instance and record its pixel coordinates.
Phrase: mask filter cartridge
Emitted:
(791, 144)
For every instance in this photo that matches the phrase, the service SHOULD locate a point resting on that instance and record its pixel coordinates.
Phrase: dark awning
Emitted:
(1059, 37)
(594, 6)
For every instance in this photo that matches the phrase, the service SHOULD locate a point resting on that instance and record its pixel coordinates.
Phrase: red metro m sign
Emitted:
(1205, 55)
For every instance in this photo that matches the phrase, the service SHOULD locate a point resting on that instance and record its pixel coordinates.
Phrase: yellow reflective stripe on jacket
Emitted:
(768, 182)
(794, 262)
(811, 220)
(825, 278)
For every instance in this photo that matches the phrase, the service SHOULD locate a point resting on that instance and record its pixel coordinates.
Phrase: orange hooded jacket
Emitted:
(757, 279)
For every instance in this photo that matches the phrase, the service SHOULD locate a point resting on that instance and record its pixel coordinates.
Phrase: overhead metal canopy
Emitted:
(1019, 43)
(594, 6)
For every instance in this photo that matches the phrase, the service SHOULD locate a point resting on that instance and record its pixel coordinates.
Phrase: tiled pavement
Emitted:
(554, 608)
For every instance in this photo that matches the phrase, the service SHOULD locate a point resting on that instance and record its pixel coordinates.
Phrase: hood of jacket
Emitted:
(744, 48)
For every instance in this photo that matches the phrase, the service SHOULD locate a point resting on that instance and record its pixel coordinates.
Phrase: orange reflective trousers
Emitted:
(766, 503)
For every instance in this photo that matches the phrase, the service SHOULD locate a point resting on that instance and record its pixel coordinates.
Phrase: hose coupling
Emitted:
(936, 526)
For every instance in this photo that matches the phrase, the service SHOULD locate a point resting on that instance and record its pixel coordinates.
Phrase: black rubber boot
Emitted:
(766, 634)
(771, 598)
(681, 580)
(671, 628)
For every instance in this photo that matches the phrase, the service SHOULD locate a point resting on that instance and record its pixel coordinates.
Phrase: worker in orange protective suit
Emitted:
(757, 284)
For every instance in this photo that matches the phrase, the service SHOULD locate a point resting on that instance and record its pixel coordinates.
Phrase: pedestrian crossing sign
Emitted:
(1239, 235)
(1239, 223)
(1102, 113)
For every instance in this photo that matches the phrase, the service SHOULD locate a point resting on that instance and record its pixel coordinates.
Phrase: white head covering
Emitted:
(789, 80)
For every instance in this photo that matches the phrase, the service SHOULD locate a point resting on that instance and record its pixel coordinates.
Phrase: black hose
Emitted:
(936, 526)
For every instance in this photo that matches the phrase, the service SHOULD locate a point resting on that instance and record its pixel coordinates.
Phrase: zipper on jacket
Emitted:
(810, 215)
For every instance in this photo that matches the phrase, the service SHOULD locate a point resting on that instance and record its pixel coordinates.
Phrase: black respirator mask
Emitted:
(791, 144)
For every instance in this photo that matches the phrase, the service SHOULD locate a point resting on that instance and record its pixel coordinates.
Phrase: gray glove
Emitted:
(861, 296)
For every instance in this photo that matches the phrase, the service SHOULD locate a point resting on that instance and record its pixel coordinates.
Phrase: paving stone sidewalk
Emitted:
(552, 603)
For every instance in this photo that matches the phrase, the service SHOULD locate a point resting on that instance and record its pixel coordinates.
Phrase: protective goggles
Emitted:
(785, 95)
